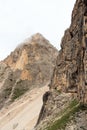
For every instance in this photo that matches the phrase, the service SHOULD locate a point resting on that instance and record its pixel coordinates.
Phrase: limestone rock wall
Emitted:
(71, 69)
(70, 73)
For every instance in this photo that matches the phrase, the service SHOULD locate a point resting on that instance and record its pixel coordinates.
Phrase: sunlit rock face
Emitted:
(30, 65)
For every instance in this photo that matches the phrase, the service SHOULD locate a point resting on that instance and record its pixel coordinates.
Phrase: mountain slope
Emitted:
(30, 65)
(19, 115)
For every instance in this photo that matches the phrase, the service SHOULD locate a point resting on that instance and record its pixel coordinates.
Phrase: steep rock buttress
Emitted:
(70, 73)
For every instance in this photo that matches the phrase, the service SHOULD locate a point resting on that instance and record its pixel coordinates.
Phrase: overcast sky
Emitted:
(19, 19)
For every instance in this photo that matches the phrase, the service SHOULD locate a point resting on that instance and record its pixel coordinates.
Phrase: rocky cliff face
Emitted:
(70, 73)
(30, 65)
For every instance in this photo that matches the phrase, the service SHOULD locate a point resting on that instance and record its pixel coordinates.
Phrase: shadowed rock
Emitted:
(70, 73)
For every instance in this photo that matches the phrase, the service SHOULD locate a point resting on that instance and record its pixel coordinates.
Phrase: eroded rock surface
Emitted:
(70, 73)
(30, 65)
(79, 122)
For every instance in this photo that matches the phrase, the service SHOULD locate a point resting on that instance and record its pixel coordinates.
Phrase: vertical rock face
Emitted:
(70, 74)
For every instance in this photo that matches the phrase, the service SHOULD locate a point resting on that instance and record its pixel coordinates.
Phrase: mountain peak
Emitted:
(30, 65)
(36, 38)
(37, 35)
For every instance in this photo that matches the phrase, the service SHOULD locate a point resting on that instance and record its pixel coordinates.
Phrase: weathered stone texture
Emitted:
(30, 65)
(70, 73)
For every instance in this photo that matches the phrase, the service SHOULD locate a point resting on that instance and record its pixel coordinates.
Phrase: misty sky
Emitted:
(19, 19)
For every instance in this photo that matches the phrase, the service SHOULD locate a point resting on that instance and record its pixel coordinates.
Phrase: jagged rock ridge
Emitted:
(30, 65)
(70, 73)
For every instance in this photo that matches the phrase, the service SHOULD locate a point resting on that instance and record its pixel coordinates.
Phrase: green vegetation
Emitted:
(18, 92)
(73, 104)
(58, 91)
(65, 117)
(7, 92)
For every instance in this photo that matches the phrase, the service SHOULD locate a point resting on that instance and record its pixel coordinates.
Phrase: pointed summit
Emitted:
(33, 45)
(37, 36)
(29, 66)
